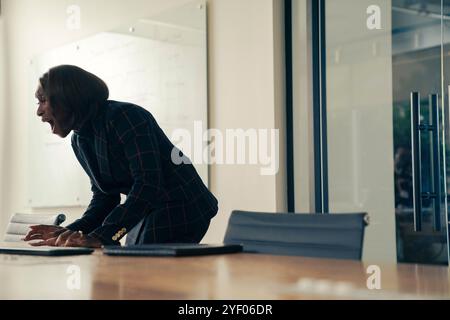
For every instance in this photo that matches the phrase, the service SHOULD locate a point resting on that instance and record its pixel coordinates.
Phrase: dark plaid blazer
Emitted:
(124, 151)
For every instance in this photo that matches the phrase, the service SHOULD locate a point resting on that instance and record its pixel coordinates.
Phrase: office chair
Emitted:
(20, 223)
(338, 236)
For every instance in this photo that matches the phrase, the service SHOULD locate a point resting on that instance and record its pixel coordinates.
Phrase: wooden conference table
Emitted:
(234, 276)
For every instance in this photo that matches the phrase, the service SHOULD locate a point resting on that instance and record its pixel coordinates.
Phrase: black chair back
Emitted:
(337, 235)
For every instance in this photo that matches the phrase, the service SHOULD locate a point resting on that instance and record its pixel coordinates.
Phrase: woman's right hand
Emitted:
(44, 232)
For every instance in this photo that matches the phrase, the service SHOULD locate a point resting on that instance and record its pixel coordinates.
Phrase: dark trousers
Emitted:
(171, 225)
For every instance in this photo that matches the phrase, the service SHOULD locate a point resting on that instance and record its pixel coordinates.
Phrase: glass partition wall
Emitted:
(386, 73)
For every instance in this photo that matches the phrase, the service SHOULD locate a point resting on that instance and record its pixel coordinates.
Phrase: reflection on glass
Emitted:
(416, 66)
(359, 119)
(370, 76)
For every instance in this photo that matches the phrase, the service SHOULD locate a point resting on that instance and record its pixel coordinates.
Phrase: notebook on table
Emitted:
(23, 248)
(172, 249)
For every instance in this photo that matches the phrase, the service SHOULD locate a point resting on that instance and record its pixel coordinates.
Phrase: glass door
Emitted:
(387, 123)
(445, 55)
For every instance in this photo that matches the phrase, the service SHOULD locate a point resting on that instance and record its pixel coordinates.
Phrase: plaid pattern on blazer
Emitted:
(123, 150)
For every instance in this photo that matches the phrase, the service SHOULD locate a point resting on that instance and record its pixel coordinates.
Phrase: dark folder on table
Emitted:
(172, 249)
(23, 248)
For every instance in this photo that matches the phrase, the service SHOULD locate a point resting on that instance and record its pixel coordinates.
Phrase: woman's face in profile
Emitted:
(45, 111)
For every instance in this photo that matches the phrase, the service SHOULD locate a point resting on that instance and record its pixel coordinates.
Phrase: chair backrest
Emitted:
(20, 223)
(337, 236)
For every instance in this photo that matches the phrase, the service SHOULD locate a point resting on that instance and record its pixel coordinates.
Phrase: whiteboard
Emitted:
(159, 66)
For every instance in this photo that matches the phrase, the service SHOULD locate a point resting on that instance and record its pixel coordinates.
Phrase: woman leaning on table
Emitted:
(123, 151)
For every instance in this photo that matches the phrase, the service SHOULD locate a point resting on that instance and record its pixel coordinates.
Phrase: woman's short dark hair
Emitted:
(74, 92)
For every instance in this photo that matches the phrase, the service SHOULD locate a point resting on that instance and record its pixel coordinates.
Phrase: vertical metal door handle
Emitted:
(436, 160)
(416, 165)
